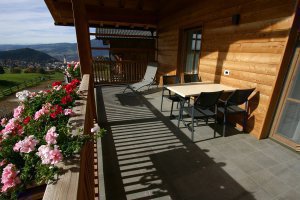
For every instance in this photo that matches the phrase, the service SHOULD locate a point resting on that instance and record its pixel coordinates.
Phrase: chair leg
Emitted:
(215, 126)
(224, 124)
(180, 114)
(177, 104)
(245, 121)
(125, 88)
(171, 108)
(193, 124)
(162, 99)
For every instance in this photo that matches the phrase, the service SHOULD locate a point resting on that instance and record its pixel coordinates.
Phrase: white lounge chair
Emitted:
(147, 81)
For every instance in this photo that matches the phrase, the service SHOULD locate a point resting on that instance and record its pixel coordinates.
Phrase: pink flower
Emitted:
(48, 155)
(77, 64)
(55, 155)
(51, 136)
(12, 127)
(43, 111)
(57, 88)
(3, 162)
(68, 112)
(3, 121)
(9, 177)
(44, 154)
(95, 129)
(27, 145)
(18, 111)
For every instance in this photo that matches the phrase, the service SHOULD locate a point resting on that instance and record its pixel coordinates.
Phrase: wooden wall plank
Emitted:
(252, 50)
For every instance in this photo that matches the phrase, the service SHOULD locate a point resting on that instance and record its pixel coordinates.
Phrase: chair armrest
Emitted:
(222, 102)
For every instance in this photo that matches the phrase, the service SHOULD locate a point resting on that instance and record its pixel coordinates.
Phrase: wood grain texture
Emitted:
(77, 181)
(252, 50)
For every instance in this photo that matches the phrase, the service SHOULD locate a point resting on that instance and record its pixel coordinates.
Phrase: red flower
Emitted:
(57, 83)
(55, 110)
(53, 115)
(66, 99)
(68, 88)
(75, 82)
(26, 120)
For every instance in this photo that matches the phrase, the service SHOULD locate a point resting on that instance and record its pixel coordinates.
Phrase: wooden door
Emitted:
(192, 46)
(286, 128)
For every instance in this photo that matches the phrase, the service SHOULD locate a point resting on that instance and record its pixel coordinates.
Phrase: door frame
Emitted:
(281, 74)
(182, 47)
(285, 92)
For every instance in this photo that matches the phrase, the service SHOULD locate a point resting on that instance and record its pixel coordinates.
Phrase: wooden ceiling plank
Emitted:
(101, 3)
(109, 14)
(121, 3)
(140, 4)
(62, 14)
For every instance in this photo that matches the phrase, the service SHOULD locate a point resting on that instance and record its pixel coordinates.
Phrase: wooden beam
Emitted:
(124, 49)
(121, 4)
(106, 14)
(83, 36)
(121, 35)
(101, 3)
(83, 45)
(140, 4)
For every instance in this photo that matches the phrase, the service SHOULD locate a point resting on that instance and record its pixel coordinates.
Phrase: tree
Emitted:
(2, 70)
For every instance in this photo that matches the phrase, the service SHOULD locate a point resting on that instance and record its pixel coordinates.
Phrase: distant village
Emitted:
(24, 64)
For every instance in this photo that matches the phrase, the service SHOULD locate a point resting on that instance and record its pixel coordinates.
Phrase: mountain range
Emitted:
(27, 55)
(57, 50)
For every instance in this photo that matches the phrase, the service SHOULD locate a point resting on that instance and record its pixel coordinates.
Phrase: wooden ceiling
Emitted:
(130, 13)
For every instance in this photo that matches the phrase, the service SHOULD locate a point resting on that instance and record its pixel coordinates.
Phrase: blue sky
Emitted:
(30, 22)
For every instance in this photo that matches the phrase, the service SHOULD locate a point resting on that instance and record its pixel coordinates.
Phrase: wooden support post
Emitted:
(83, 45)
(83, 36)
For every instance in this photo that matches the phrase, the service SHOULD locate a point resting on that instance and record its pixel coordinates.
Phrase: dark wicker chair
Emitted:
(231, 106)
(167, 80)
(205, 107)
(188, 78)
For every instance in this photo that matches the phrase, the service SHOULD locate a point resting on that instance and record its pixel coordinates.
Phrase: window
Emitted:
(192, 50)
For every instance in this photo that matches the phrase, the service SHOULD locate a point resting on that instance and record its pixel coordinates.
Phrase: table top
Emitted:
(195, 88)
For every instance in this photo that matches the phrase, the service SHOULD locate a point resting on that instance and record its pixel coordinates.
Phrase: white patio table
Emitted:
(194, 89)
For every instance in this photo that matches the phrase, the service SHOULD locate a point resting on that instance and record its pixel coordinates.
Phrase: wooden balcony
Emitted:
(145, 155)
(118, 72)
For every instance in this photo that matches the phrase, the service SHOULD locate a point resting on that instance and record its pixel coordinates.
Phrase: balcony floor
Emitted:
(146, 156)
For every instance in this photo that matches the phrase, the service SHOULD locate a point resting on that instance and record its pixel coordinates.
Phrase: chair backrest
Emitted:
(188, 78)
(170, 79)
(239, 96)
(207, 99)
(150, 72)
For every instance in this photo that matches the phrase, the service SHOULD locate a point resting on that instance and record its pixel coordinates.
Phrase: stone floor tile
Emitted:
(275, 187)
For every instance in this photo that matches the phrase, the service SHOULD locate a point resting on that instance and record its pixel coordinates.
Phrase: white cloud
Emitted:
(30, 22)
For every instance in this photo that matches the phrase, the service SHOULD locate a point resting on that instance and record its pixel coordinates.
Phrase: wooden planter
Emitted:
(33, 193)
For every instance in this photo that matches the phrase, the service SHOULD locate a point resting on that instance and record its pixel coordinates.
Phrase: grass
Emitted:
(8, 80)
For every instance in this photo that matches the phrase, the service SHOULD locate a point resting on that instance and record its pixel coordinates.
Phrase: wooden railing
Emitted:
(78, 178)
(118, 71)
(23, 85)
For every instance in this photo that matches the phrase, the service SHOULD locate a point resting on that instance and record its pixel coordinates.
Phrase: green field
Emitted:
(8, 80)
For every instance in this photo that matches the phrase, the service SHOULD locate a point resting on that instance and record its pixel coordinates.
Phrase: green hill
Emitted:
(58, 50)
(28, 55)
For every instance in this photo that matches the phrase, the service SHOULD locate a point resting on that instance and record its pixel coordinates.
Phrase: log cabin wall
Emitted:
(252, 50)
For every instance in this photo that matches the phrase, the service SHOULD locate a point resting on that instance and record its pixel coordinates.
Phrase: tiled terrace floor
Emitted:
(146, 156)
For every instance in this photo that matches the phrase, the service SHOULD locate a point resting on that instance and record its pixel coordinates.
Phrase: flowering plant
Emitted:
(37, 138)
(73, 69)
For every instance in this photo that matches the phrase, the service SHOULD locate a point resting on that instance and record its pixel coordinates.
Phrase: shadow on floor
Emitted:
(145, 156)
